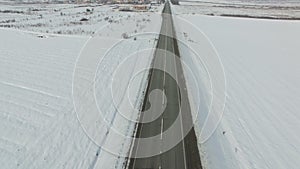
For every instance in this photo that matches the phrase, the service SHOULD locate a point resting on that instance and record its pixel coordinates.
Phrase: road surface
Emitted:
(185, 154)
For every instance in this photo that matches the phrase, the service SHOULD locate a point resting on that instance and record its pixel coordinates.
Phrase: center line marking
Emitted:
(161, 128)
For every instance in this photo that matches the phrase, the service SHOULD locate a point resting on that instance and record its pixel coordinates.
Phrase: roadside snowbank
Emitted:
(260, 124)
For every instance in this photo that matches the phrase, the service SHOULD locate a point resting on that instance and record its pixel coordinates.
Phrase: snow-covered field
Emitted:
(40, 125)
(67, 18)
(288, 9)
(260, 58)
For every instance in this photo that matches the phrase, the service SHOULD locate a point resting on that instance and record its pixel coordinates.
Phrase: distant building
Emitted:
(140, 7)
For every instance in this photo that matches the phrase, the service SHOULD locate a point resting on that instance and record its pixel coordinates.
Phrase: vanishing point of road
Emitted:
(185, 154)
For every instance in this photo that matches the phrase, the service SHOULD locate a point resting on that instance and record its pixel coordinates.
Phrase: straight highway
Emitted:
(184, 154)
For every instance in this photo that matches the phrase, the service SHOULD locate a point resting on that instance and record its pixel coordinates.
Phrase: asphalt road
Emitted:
(185, 154)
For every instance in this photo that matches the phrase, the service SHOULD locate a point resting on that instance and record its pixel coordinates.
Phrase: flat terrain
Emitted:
(287, 10)
(261, 65)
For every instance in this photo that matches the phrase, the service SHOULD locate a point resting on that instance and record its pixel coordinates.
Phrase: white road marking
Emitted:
(164, 79)
(161, 128)
(137, 146)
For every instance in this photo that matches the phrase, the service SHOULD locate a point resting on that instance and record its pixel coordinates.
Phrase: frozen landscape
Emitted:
(272, 9)
(40, 69)
(259, 127)
(81, 19)
(63, 63)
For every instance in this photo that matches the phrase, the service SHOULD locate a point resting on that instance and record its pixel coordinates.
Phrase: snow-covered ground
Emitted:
(67, 18)
(288, 9)
(41, 125)
(260, 58)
